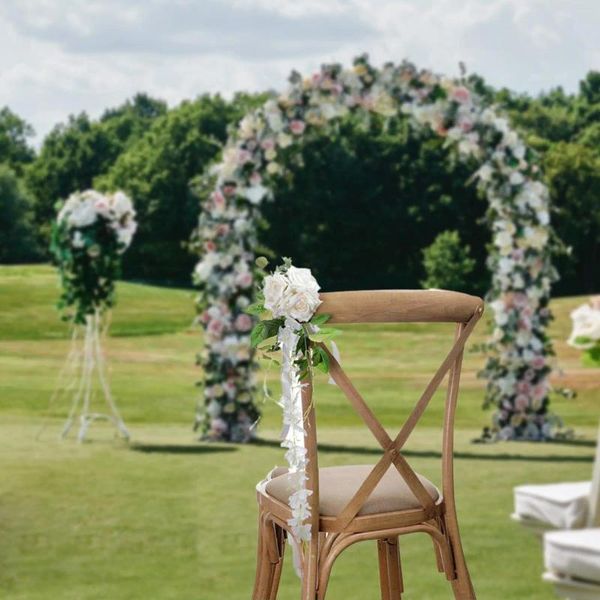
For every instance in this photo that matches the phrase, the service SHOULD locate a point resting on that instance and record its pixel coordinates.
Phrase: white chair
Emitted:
(572, 557)
(570, 505)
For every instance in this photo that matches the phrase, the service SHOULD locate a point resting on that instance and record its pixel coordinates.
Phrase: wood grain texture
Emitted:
(399, 306)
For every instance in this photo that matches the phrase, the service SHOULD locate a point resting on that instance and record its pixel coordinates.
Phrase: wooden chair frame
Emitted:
(333, 534)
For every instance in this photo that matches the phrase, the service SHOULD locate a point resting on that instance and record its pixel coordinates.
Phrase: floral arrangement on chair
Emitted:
(586, 331)
(91, 232)
(287, 306)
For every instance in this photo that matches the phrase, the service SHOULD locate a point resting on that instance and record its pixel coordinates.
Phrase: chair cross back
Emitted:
(594, 514)
(399, 306)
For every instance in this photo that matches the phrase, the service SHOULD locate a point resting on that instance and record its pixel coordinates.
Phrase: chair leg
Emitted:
(280, 539)
(390, 570)
(269, 559)
(462, 586)
(310, 576)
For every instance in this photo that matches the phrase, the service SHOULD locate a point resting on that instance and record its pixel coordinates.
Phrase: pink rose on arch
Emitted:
(244, 279)
(255, 178)
(243, 323)
(540, 390)
(461, 94)
(524, 387)
(521, 402)
(218, 200)
(222, 229)
(267, 144)
(218, 426)
(229, 189)
(539, 362)
(210, 246)
(297, 126)
(215, 328)
(244, 156)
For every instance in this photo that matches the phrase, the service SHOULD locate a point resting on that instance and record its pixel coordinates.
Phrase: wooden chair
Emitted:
(374, 502)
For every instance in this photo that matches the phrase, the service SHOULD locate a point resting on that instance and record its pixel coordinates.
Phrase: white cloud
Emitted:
(63, 56)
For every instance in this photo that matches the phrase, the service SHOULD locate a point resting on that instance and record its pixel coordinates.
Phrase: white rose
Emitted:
(302, 279)
(255, 193)
(300, 304)
(83, 214)
(274, 288)
(121, 204)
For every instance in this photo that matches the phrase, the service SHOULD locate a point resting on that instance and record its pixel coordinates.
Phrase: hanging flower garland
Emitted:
(254, 162)
(91, 232)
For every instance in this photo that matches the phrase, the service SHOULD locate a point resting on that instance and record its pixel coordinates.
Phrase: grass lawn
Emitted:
(169, 518)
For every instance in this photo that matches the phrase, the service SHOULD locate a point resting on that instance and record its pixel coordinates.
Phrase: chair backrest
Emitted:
(395, 306)
(594, 514)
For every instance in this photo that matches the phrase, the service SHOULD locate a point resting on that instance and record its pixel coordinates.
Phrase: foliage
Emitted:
(17, 232)
(14, 146)
(447, 263)
(156, 170)
(73, 154)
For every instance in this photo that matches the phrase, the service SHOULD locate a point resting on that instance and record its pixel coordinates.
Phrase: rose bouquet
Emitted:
(89, 236)
(586, 331)
(290, 299)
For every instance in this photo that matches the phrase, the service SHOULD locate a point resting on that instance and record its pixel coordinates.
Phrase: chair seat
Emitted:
(337, 485)
(574, 553)
(559, 505)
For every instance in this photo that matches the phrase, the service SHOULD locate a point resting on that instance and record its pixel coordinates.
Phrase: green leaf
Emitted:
(255, 309)
(320, 319)
(324, 334)
(258, 334)
(321, 359)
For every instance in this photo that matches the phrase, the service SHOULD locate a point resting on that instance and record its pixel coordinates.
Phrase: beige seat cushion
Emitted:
(337, 485)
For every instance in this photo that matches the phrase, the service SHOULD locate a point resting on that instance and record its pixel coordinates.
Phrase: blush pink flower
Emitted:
(255, 178)
(229, 189)
(539, 362)
(243, 323)
(210, 246)
(218, 200)
(540, 390)
(215, 328)
(297, 126)
(461, 94)
(521, 402)
(244, 279)
(524, 387)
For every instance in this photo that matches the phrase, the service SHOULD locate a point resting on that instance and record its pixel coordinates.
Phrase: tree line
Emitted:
(375, 204)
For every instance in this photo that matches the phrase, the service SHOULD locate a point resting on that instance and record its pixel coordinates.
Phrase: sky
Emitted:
(59, 57)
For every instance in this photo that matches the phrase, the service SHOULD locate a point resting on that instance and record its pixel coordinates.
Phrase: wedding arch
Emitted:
(258, 154)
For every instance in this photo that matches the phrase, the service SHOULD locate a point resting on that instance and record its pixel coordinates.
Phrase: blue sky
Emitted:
(63, 56)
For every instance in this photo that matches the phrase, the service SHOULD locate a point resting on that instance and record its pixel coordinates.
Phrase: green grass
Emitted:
(169, 518)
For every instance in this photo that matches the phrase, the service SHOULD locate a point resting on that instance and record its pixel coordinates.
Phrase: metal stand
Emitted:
(87, 360)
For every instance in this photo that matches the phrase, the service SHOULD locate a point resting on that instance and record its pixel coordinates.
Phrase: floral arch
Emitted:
(255, 158)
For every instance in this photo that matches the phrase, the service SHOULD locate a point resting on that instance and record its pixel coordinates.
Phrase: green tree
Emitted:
(156, 171)
(17, 233)
(573, 173)
(73, 154)
(447, 263)
(14, 145)
(367, 199)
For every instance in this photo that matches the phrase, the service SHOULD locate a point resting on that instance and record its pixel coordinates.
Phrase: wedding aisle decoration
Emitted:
(288, 325)
(586, 331)
(91, 232)
(265, 148)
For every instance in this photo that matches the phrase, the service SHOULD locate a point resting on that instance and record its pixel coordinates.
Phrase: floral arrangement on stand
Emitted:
(288, 325)
(259, 154)
(89, 236)
(586, 331)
